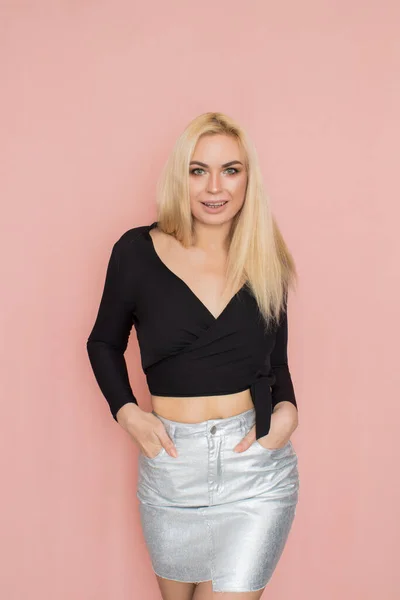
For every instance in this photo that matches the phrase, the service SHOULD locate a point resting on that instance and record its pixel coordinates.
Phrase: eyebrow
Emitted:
(228, 164)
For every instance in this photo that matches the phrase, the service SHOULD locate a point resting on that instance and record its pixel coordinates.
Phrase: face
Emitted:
(217, 174)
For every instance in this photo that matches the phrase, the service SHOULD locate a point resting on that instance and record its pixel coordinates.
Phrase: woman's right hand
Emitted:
(146, 430)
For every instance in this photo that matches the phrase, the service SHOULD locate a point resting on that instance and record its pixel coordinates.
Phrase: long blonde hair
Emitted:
(258, 255)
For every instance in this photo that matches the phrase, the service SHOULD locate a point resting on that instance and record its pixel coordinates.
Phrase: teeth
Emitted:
(219, 204)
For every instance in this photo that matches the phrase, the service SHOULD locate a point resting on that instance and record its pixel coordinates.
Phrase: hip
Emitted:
(207, 471)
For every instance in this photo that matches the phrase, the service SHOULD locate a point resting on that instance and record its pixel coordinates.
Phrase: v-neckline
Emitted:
(182, 282)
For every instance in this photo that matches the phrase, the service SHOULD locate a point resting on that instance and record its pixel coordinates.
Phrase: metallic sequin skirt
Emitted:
(215, 514)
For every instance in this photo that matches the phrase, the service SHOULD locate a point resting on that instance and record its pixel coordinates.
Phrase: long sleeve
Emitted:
(283, 388)
(108, 339)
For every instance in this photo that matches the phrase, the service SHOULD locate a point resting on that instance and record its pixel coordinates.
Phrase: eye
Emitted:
(193, 171)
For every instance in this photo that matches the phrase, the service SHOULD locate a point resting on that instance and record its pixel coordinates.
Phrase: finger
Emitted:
(247, 441)
(167, 442)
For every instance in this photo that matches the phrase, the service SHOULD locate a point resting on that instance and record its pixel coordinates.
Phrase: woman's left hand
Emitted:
(284, 421)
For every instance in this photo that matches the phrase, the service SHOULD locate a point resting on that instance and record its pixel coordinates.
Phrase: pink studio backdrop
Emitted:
(93, 97)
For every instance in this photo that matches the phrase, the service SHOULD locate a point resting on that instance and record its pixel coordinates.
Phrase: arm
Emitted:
(283, 395)
(284, 417)
(108, 339)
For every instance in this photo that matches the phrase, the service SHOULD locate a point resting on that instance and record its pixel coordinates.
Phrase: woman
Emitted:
(206, 288)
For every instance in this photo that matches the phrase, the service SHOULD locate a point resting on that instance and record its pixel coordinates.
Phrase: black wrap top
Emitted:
(185, 350)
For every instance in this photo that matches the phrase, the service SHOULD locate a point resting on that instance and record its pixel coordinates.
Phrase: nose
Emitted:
(214, 183)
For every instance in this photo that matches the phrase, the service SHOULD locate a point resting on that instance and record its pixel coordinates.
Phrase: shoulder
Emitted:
(132, 242)
(131, 250)
(135, 236)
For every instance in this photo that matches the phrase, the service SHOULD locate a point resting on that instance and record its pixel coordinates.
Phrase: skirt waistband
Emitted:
(221, 426)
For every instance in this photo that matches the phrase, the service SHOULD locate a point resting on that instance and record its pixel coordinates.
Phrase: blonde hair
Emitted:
(258, 256)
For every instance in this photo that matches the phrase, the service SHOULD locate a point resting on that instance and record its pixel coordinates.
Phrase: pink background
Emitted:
(93, 96)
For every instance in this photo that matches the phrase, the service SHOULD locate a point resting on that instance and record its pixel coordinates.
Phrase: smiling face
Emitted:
(217, 174)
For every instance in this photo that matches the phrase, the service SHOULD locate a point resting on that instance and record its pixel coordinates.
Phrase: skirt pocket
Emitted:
(154, 458)
(162, 452)
(166, 480)
(273, 451)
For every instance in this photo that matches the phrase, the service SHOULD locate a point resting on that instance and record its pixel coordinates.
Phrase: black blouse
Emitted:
(185, 350)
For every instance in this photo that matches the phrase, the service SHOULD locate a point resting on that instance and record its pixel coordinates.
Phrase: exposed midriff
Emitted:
(194, 409)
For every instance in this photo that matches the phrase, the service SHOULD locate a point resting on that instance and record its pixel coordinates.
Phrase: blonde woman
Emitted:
(206, 288)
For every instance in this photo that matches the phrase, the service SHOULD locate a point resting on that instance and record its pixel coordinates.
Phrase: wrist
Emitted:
(286, 410)
(283, 420)
(127, 414)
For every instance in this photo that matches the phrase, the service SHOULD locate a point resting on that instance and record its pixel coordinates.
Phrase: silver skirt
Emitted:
(215, 514)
